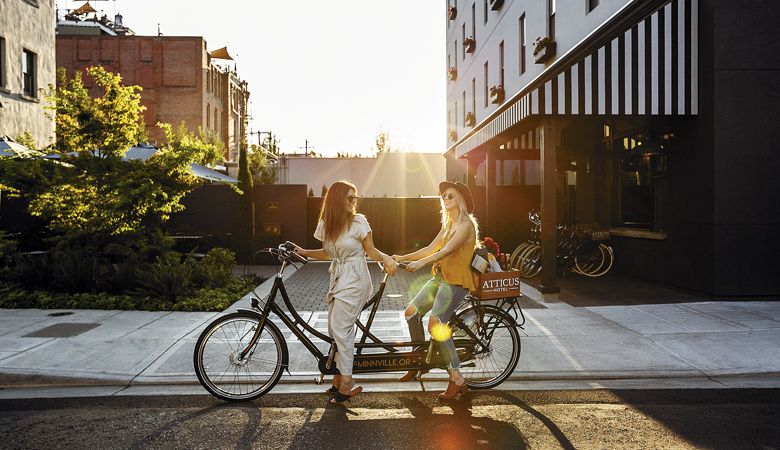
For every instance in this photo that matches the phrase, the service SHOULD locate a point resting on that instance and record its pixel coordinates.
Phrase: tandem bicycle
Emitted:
(241, 355)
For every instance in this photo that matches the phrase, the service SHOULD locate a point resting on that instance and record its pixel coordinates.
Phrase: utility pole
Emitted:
(306, 148)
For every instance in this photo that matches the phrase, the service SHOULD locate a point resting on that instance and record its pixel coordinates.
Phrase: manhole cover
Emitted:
(63, 330)
(61, 313)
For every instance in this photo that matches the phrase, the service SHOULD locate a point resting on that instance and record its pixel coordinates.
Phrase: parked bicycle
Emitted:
(241, 355)
(580, 250)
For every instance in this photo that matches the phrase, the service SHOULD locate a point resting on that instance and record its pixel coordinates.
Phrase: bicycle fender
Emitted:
(268, 323)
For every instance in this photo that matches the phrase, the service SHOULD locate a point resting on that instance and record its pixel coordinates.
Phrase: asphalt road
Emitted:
(709, 418)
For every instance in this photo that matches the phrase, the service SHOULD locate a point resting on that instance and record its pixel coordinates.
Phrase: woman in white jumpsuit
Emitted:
(346, 239)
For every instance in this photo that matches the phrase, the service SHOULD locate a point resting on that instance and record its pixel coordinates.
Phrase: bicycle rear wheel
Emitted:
(489, 366)
(223, 373)
(531, 261)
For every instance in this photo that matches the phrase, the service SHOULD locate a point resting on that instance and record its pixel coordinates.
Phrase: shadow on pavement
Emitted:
(440, 425)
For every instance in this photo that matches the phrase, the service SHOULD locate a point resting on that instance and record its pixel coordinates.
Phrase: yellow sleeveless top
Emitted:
(456, 267)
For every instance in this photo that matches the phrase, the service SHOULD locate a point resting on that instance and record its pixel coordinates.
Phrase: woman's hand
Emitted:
(397, 258)
(390, 265)
(414, 265)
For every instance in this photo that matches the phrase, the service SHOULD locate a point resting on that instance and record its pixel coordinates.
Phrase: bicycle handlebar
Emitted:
(287, 251)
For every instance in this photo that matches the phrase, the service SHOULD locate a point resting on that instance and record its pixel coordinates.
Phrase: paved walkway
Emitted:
(705, 344)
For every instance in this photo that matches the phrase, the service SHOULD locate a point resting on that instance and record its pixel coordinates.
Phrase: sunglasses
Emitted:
(447, 196)
(352, 198)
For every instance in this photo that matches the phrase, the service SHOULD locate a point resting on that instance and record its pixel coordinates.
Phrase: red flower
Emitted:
(492, 245)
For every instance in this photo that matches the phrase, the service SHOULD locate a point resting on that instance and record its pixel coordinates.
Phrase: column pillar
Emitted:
(549, 137)
(490, 191)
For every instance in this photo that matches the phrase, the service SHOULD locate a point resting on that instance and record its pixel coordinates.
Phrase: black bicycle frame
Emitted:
(393, 360)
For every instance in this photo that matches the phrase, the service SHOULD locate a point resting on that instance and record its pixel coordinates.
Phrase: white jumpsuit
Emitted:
(350, 286)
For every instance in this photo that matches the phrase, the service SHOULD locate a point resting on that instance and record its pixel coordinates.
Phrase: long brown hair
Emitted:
(333, 213)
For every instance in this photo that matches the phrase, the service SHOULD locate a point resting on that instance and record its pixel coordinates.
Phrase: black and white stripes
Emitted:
(649, 69)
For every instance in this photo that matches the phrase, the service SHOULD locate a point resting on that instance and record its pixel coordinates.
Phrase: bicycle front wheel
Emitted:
(223, 372)
(492, 364)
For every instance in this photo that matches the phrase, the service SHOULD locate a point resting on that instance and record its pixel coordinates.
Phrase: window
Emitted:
(473, 21)
(29, 73)
(642, 181)
(501, 64)
(592, 4)
(522, 172)
(474, 98)
(463, 37)
(208, 115)
(522, 44)
(551, 21)
(464, 108)
(455, 60)
(2, 62)
(455, 119)
(485, 74)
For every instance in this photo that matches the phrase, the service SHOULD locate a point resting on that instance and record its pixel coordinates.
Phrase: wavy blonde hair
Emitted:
(446, 220)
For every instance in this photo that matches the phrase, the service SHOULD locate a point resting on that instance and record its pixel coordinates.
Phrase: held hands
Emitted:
(390, 265)
(414, 265)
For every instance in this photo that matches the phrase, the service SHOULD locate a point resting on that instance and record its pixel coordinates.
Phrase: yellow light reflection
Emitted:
(441, 332)
(417, 283)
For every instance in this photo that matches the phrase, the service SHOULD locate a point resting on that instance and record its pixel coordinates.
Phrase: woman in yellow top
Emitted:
(450, 252)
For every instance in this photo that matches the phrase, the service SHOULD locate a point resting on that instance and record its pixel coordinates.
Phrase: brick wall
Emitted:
(171, 70)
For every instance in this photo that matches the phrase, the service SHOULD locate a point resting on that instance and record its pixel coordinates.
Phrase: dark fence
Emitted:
(398, 224)
(284, 213)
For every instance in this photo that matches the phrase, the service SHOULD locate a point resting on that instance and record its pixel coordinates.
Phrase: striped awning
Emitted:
(648, 69)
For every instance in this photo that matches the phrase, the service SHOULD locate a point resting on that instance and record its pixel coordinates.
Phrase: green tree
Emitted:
(245, 184)
(105, 126)
(27, 140)
(262, 168)
(203, 148)
(95, 191)
(382, 143)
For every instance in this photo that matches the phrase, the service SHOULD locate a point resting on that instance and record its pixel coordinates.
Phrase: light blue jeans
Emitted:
(441, 299)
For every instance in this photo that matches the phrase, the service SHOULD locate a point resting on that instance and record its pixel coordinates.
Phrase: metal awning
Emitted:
(647, 68)
(145, 151)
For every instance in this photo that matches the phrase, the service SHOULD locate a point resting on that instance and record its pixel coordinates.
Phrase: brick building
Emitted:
(181, 80)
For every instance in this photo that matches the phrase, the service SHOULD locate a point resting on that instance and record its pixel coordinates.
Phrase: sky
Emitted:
(335, 72)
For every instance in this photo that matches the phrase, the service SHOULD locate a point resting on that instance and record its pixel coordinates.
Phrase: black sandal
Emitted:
(340, 398)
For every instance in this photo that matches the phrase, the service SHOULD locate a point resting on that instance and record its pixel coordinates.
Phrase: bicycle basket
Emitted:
(494, 285)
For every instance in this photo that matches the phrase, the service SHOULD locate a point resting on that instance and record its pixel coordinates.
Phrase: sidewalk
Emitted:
(676, 345)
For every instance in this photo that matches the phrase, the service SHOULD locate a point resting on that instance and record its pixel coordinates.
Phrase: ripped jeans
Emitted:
(441, 299)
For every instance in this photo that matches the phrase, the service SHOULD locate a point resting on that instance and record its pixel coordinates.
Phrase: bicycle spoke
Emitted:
(222, 370)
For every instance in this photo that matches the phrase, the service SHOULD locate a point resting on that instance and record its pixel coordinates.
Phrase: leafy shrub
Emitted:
(15, 296)
(168, 278)
(7, 250)
(31, 269)
(74, 269)
(215, 269)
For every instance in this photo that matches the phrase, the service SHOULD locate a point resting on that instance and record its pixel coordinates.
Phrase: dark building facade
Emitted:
(652, 118)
